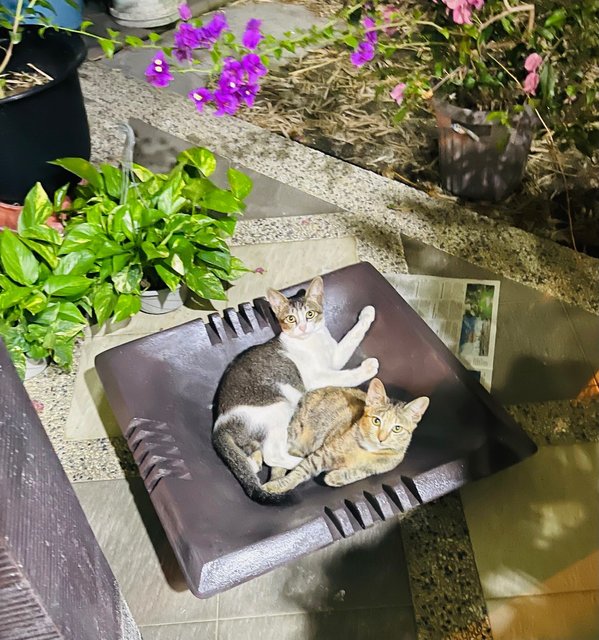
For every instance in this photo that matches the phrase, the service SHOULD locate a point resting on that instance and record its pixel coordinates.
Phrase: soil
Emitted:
(322, 101)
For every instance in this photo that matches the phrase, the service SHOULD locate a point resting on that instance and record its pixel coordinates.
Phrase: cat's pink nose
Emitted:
(382, 436)
(303, 327)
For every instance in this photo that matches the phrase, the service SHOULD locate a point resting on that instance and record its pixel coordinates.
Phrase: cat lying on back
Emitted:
(349, 434)
(262, 387)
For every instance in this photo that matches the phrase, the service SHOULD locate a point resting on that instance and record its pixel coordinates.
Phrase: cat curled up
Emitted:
(261, 388)
(348, 434)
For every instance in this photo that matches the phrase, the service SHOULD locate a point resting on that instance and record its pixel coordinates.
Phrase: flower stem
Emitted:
(15, 29)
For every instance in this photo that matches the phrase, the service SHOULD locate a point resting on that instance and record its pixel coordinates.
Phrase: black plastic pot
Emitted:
(45, 122)
(478, 159)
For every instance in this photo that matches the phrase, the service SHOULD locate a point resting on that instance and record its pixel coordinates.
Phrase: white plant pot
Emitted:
(145, 13)
(162, 300)
(35, 367)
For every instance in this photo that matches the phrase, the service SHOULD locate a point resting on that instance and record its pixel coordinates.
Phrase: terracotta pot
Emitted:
(478, 159)
(9, 216)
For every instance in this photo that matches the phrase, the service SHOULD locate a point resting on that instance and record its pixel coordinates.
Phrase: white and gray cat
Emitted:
(262, 387)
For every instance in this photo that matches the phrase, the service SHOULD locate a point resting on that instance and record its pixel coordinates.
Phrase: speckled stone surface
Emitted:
(446, 591)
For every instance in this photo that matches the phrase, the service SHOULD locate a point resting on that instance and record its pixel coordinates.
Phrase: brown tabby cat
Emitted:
(349, 434)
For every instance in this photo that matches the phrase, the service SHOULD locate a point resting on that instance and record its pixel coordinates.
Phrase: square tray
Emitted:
(161, 389)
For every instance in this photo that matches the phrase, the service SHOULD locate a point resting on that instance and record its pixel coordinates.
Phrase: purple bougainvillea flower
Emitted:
(232, 76)
(212, 31)
(371, 36)
(531, 82)
(184, 12)
(533, 62)
(157, 72)
(200, 97)
(248, 92)
(186, 39)
(252, 65)
(363, 54)
(397, 92)
(227, 103)
(252, 36)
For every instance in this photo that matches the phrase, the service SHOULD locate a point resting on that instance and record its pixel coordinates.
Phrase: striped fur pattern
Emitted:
(349, 435)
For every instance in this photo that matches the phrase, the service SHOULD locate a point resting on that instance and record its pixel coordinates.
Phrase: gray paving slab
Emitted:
(538, 354)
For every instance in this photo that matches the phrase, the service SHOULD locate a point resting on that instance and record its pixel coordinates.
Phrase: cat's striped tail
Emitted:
(238, 462)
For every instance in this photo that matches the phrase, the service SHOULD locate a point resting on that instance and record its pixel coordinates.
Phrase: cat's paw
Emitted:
(274, 486)
(370, 367)
(335, 479)
(367, 315)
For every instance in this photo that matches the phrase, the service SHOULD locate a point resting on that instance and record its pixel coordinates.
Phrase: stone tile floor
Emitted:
(533, 528)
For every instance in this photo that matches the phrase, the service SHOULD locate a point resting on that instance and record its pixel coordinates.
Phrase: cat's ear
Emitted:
(376, 394)
(277, 301)
(416, 408)
(316, 291)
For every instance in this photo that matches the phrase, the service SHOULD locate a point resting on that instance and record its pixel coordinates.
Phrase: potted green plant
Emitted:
(43, 294)
(148, 232)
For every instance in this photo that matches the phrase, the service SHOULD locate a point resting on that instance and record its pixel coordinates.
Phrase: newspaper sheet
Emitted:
(462, 312)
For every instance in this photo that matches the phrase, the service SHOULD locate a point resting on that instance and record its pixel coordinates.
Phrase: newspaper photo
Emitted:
(462, 312)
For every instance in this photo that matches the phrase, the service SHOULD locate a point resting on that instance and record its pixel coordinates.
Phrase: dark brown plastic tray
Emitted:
(161, 389)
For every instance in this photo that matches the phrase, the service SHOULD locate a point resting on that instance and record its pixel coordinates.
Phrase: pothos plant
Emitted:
(43, 293)
(137, 230)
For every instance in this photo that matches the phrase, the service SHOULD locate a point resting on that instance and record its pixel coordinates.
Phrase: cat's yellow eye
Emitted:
(290, 320)
(310, 314)
(397, 428)
(376, 421)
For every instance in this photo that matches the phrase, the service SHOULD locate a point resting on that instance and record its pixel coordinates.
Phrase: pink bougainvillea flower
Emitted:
(533, 62)
(252, 36)
(157, 72)
(397, 93)
(531, 82)
(363, 54)
(260, 270)
(200, 97)
(184, 12)
(389, 12)
(477, 4)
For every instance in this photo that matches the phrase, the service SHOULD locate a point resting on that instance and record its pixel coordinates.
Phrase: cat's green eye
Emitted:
(310, 314)
(397, 428)
(376, 422)
(290, 320)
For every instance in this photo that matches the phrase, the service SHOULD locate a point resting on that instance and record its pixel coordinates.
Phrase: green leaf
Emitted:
(170, 201)
(557, 18)
(69, 313)
(83, 169)
(222, 201)
(170, 278)
(220, 259)
(128, 279)
(236, 270)
(80, 236)
(59, 196)
(104, 302)
(141, 173)
(547, 82)
(76, 263)
(66, 286)
(154, 252)
(126, 306)
(63, 352)
(198, 157)
(37, 208)
(13, 297)
(47, 253)
(18, 261)
(207, 238)
(154, 37)
(227, 225)
(113, 179)
(350, 40)
(241, 185)
(205, 284)
(134, 41)
(107, 47)
(35, 303)
(44, 233)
